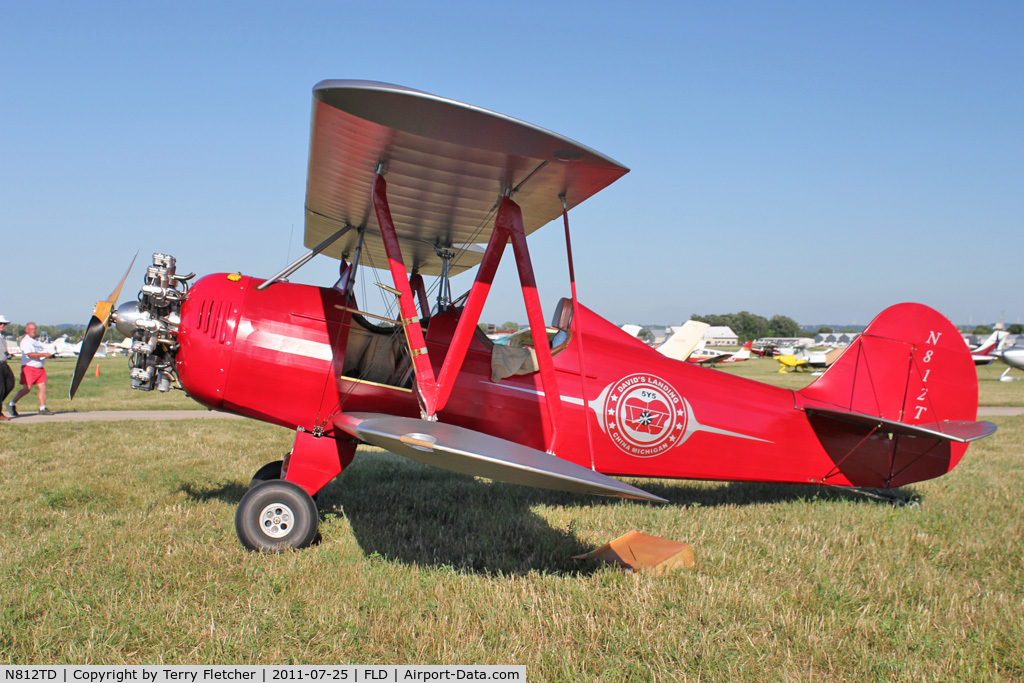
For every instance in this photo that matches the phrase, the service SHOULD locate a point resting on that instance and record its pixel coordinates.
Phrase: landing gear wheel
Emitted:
(275, 516)
(269, 472)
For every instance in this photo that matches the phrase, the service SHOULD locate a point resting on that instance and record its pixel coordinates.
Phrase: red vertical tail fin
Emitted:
(910, 369)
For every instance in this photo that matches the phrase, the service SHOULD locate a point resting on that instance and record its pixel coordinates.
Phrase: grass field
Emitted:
(118, 546)
(109, 391)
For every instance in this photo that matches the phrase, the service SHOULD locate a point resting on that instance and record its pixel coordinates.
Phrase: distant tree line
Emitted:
(749, 326)
(1016, 328)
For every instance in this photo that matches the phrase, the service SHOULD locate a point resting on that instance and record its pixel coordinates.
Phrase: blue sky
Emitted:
(809, 159)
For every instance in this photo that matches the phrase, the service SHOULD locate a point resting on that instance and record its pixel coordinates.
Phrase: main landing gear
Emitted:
(276, 515)
(280, 514)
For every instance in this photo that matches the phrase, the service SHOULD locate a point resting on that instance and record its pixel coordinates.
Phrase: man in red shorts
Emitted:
(33, 354)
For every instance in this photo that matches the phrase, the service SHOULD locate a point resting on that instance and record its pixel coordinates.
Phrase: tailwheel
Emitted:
(275, 516)
(269, 472)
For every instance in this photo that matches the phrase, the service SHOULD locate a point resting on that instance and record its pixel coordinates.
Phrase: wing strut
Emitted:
(426, 384)
(434, 392)
(304, 259)
(508, 225)
(577, 328)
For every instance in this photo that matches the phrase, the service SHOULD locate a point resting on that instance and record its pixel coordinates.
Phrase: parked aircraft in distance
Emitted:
(1013, 356)
(815, 361)
(116, 348)
(984, 353)
(702, 355)
(684, 340)
(60, 348)
(780, 346)
(631, 329)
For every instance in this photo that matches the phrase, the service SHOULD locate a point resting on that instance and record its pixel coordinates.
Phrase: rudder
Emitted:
(909, 367)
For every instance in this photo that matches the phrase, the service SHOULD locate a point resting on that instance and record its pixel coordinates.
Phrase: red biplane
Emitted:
(420, 183)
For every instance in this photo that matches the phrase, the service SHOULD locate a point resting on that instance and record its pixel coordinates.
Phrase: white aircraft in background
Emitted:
(124, 346)
(1013, 357)
(984, 353)
(60, 348)
(706, 356)
(768, 347)
(631, 330)
(684, 340)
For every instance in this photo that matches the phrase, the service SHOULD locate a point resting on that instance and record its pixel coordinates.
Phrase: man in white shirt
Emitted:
(33, 354)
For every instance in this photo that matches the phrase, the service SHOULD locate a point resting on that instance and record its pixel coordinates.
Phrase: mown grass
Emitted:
(992, 392)
(118, 547)
(110, 391)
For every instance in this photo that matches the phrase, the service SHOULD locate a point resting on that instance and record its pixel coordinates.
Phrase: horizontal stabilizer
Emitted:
(960, 431)
(468, 452)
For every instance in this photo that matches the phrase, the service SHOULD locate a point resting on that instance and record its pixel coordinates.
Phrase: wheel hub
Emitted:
(276, 520)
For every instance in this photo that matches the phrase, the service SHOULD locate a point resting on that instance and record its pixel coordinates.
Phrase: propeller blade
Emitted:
(94, 332)
(90, 343)
(104, 308)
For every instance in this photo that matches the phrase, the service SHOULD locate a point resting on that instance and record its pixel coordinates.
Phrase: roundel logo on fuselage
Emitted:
(644, 415)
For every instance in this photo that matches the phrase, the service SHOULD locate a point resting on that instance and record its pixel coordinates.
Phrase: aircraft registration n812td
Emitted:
(432, 187)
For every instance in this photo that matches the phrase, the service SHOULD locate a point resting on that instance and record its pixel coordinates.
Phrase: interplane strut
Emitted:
(434, 392)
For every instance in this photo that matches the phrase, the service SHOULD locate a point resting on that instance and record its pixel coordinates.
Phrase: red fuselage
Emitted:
(279, 355)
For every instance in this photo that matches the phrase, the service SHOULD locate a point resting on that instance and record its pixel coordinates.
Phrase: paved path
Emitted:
(118, 415)
(989, 411)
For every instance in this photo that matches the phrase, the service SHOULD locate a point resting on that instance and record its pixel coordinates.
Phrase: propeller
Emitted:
(94, 332)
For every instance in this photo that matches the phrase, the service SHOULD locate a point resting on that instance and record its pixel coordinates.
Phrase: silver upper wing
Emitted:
(446, 165)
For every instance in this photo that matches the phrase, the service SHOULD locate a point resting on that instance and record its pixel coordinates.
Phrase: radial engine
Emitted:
(152, 324)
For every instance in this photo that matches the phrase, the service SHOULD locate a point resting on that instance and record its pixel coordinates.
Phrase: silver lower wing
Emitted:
(468, 452)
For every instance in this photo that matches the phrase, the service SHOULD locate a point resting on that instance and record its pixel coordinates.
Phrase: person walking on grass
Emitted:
(33, 356)
(6, 374)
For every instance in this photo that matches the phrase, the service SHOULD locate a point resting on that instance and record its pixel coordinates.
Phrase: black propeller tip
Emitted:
(90, 344)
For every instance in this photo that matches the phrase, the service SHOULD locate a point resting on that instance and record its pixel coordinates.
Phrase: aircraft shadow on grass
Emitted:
(419, 515)
(415, 514)
(228, 493)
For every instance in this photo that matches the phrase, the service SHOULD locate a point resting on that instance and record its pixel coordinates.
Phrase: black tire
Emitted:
(269, 472)
(275, 516)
